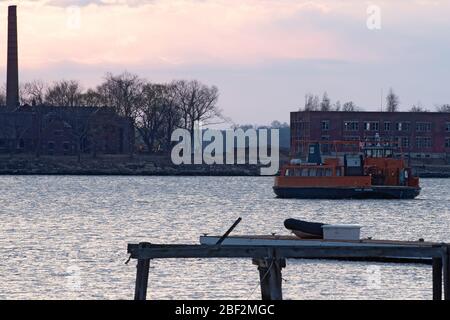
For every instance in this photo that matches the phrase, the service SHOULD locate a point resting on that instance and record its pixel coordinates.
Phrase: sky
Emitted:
(263, 55)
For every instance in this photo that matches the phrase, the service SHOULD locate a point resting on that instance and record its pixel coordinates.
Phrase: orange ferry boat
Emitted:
(372, 172)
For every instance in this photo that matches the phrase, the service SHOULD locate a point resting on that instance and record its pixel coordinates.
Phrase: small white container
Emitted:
(341, 232)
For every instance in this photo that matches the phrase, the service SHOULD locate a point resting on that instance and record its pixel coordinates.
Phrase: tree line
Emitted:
(156, 109)
(392, 104)
(314, 103)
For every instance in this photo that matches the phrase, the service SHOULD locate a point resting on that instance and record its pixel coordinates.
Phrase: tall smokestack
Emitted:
(12, 78)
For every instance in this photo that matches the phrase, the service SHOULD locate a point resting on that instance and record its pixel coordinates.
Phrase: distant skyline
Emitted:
(264, 55)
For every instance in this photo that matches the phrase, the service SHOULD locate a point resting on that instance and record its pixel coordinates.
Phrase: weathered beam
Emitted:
(285, 252)
(437, 278)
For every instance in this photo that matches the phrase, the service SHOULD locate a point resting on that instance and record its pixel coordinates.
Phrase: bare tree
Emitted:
(337, 106)
(64, 93)
(311, 102)
(33, 92)
(418, 108)
(172, 116)
(122, 92)
(91, 98)
(196, 102)
(325, 105)
(150, 114)
(392, 101)
(349, 107)
(443, 108)
(278, 125)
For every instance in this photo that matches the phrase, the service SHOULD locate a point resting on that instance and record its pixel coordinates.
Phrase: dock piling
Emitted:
(143, 266)
(437, 278)
(446, 272)
(263, 278)
(142, 270)
(270, 259)
(270, 277)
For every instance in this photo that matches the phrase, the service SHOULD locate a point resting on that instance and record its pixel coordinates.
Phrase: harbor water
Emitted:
(65, 237)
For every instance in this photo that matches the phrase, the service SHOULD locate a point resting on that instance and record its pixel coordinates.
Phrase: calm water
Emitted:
(66, 237)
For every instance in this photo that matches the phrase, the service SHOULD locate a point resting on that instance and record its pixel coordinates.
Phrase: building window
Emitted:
(351, 126)
(325, 147)
(2, 144)
(351, 138)
(423, 126)
(302, 129)
(447, 126)
(325, 125)
(387, 126)
(351, 141)
(403, 142)
(51, 146)
(58, 133)
(371, 126)
(447, 142)
(403, 126)
(423, 142)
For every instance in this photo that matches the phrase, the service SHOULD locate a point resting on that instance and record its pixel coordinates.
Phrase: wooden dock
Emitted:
(271, 259)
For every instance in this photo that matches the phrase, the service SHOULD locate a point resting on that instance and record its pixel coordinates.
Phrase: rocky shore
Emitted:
(148, 166)
(120, 165)
(432, 171)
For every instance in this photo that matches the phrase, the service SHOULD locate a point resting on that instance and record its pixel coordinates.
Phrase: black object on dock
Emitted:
(271, 259)
(226, 234)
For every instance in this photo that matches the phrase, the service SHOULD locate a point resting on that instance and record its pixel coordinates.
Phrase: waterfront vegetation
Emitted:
(157, 109)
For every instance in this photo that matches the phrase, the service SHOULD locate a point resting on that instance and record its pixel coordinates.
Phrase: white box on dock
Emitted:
(341, 231)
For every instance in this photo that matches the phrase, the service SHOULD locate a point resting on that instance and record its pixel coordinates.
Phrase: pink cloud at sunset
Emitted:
(284, 48)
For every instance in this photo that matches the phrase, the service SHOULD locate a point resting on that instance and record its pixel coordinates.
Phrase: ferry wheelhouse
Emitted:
(370, 169)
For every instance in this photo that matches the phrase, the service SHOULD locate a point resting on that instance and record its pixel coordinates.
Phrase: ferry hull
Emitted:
(375, 192)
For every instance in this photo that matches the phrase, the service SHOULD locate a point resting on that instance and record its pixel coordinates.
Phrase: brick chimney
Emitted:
(12, 78)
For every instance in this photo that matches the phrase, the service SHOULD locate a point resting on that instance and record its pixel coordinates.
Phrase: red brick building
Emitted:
(51, 130)
(419, 134)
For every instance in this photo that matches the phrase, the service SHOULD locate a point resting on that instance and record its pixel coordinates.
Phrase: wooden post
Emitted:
(263, 279)
(143, 266)
(446, 267)
(437, 278)
(270, 277)
(275, 279)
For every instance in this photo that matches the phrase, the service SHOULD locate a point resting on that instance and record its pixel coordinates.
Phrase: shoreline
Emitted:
(173, 174)
(149, 165)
